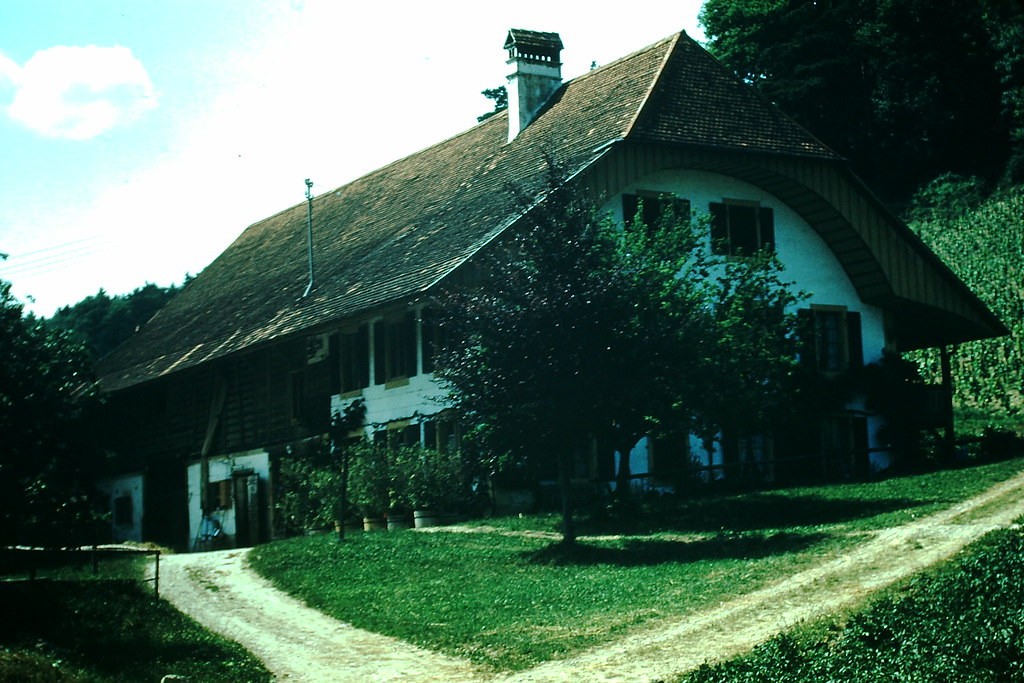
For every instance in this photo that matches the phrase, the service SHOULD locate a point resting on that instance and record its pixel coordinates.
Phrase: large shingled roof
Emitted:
(397, 231)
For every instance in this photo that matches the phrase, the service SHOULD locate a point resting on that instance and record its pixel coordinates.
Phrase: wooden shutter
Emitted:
(807, 334)
(767, 220)
(630, 203)
(361, 357)
(407, 345)
(854, 341)
(334, 361)
(719, 228)
(380, 352)
(428, 334)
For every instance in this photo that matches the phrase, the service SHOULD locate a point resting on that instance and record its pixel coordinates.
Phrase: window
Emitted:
(740, 228)
(656, 206)
(669, 457)
(751, 458)
(398, 433)
(218, 495)
(844, 446)
(832, 338)
(441, 435)
(394, 348)
(350, 361)
(431, 336)
(123, 510)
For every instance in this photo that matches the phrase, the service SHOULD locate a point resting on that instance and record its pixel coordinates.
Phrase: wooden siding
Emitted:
(168, 418)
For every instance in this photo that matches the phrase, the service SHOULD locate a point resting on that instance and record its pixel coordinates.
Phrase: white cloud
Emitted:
(80, 92)
(10, 75)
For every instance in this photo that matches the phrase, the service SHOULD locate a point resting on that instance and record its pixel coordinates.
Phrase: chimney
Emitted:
(537, 73)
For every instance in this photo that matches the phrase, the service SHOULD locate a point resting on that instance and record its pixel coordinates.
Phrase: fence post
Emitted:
(156, 577)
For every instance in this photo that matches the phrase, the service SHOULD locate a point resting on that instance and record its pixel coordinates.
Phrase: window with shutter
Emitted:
(741, 228)
(652, 207)
(834, 344)
(394, 348)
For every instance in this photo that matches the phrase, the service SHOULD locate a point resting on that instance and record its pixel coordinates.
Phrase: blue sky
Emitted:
(139, 138)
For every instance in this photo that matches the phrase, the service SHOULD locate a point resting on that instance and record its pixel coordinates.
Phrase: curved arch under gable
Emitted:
(887, 265)
(811, 264)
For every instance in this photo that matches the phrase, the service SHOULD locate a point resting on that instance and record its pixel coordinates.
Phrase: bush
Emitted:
(964, 623)
(309, 488)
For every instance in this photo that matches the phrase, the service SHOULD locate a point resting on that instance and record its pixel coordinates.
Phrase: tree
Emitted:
(756, 382)
(102, 321)
(49, 455)
(500, 97)
(906, 89)
(581, 329)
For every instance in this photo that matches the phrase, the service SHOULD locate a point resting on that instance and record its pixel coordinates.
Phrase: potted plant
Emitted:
(370, 484)
(433, 484)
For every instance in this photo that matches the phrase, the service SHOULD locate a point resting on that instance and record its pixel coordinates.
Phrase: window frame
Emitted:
(849, 352)
(653, 202)
(722, 227)
(395, 357)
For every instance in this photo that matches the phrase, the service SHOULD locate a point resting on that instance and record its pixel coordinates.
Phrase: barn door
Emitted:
(247, 508)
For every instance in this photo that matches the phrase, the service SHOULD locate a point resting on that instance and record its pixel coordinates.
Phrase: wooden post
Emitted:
(216, 405)
(949, 429)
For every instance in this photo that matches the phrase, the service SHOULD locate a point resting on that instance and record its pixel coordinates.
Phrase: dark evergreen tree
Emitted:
(102, 321)
(907, 89)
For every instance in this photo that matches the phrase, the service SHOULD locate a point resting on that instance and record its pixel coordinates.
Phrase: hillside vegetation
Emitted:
(960, 623)
(982, 241)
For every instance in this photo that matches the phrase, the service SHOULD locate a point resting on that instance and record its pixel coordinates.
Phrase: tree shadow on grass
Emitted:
(739, 513)
(115, 629)
(646, 553)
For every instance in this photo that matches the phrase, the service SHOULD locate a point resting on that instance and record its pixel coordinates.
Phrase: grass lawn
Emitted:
(109, 630)
(513, 601)
(962, 622)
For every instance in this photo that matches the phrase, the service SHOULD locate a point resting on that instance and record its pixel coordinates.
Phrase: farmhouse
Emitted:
(324, 303)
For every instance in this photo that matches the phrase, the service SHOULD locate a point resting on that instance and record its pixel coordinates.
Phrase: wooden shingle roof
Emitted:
(392, 234)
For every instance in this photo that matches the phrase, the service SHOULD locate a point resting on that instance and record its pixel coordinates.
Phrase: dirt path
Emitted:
(295, 643)
(300, 644)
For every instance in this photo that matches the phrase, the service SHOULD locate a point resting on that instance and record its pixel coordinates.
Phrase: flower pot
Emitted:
(396, 522)
(425, 518)
(374, 524)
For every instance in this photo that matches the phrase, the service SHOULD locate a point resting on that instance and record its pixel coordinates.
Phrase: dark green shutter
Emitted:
(380, 352)
(408, 348)
(334, 363)
(428, 331)
(767, 219)
(630, 204)
(719, 228)
(807, 335)
(855, 343)
(356, 358)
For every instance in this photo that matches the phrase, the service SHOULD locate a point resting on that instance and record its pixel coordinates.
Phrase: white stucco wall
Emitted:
(132, 486)
(221, 468)
(808, 261)
(420, 396)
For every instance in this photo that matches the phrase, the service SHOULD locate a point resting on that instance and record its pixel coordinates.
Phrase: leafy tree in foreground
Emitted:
(48, 453)
(581, 329)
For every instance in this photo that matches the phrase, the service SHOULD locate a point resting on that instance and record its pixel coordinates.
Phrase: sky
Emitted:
(138, 139)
